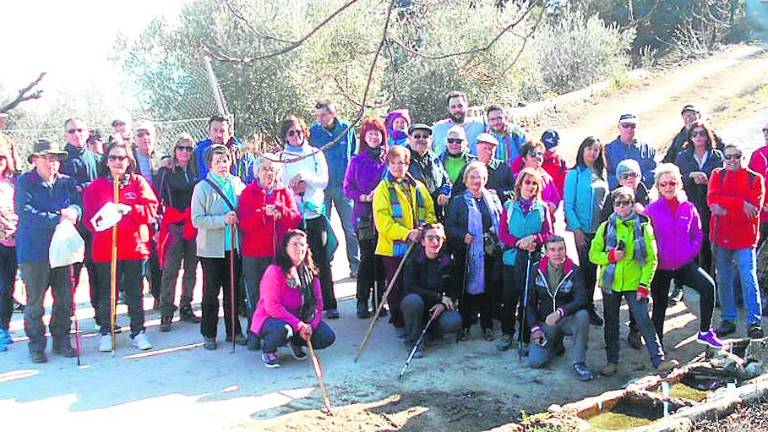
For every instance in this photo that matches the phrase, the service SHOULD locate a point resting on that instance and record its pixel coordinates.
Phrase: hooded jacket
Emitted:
(569, 296)
(630, 273)
(679, 235)
(730, 189)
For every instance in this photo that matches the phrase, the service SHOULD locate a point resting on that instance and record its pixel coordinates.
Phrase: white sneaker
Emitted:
(141, 342)
(105, 343)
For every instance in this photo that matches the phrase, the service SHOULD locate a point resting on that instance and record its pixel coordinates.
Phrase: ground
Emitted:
(750, 418)
(460, 387)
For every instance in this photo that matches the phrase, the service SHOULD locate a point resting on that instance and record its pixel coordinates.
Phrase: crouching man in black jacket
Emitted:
(556, 307)
(429, 284)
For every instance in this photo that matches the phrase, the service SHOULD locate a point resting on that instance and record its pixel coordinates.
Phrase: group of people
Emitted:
(456, 218)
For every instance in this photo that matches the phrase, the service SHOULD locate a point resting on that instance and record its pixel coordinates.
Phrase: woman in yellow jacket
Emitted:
(625, 249)
(401, 205)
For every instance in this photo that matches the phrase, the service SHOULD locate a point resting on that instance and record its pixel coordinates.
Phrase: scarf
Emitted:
(641, 254)
(420, 210)
(526, 204)
(476, 250)
(308, 300)
(374, 153)
(227, 186)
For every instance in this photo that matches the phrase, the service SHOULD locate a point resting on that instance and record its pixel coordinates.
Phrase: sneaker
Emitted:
(677, 295)
(362, 310)
(63, 347)
(118, 328)
(271, 360)
(188, 315)
(634, 340)
(38, 357)
(332, 314)
(726, 328)
(5, 337)
(710, 339)
(165, 324)
(506, 342)
(105, 343)
(594, 318)
(239, 339)
(298, 352)
(488, 335)
(609, 370)
(141, 342)
(582, 372)
(209, 343)
(667, 365)
(755, 331)
(384, 312)
(18, 307)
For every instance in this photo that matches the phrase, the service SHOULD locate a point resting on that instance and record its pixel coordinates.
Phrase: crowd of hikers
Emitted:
(449, 225)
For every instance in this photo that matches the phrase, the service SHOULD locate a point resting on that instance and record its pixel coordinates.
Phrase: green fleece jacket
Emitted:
(629, 273)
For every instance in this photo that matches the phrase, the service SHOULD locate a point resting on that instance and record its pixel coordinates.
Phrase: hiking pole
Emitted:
(460, 303)
(113, 267)
(74, 313)
(232, 296)
(525, 307)
(319, 374)
(383, 300)
(418, 342)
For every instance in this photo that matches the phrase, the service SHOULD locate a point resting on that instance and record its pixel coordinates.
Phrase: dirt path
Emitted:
(464, 387)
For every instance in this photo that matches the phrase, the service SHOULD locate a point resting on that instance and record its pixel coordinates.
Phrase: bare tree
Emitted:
(24, 95)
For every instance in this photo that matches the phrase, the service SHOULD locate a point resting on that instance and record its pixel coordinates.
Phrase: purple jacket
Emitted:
(678, 236)
(363, 175)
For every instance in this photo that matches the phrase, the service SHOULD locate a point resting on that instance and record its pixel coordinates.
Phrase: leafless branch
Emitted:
(343, 90)
(25, 95)
(645, 18)
(222, 56)
(239, 15)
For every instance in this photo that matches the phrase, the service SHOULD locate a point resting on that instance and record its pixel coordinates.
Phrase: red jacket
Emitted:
(261, 232)
(553, 164)
(730, 189)
(759, 164)
(133, 231)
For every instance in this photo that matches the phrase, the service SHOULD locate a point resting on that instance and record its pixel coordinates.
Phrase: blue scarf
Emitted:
(476, 251)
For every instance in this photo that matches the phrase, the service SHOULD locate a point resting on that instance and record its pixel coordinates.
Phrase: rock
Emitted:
(757, 350)
(554, 408)
(754, 369)
(730, 363)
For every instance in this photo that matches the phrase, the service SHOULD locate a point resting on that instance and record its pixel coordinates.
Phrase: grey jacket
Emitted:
(208, 214)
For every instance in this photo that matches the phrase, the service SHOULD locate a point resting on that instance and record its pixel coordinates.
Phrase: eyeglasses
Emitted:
(732, 156)
(765, 130)
(623, 203)
(420, 136)
(628, 125)
(185, 148)
(75, 130)
(117, 158)
(671, 183)
(293, 132)
(432, 237)
(536, 154)
(454, 140)
(699, 132)
(627, 176)
(530, 182)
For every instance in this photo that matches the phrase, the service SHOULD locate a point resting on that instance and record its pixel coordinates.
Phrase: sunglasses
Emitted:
(732, 156)
(536, 154)
(116, 158)
(293, 132)
(451, 140)
(628, 125)
(765, 130)
(185, 148)
(697, 133)
(420, 136)
(668, 183)
(530, 182)
(627, 176)
(75, 130)
(623, 203)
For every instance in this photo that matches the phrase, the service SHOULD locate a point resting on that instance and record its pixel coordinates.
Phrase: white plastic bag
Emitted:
(67, 247)
(107, 217)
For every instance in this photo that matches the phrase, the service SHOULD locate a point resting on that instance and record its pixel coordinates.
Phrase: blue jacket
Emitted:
(38, 206)
(472, 126)
(339, 155)
(510, 143)
(616, 151)
(245, 166)
(585, 197)
(81, 164)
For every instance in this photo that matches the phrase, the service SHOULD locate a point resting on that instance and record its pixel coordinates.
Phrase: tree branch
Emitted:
(24, 95)
(239, 15)
(645, 18)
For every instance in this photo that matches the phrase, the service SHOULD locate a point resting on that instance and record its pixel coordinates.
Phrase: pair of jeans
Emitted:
(153, 272)
(690, 275)
(611, 307)
(216, 280)
(576, 325)
(8, 269)
(253, 271)
(178, 249)
(38, 277)
(416, 314)
(130, 275)
(334, 196)
(744, 261)
(317, 237)
(371, 272)
(275, 334)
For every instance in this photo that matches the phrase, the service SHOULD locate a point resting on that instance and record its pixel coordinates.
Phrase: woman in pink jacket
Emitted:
(291, 303)
(677, 225)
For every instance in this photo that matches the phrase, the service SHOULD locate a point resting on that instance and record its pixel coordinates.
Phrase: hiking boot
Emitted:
(362, 310)
(710, 339)
(488, 335)
(188, 315)
(634, 340)
(594, 318)
(332, 314)
(165, 324)
(63, 347)
(239, 340)
(5, 337)
(582, 372)
(506, 342)
(755, 332)
(271, 360)
(609, 370)
(105, 343)
(667, 365)
(141, 342)
(298, 352)
(209, 343)
(38, 356)
(726, 328)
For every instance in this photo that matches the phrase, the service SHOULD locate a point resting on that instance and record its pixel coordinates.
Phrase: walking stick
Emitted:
(415, 347)
(232, 296)
(525, 308)
(383, 300)
(319, 374)
(463, 289)
(74, 313)
(113, 268)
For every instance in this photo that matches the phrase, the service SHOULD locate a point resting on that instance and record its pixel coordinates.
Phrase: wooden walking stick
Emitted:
(232, 297)
(113, 267)
(319, 373)
(383, 300)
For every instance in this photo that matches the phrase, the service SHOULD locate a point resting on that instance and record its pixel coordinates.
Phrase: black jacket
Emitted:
(175, 186)
(679, 141)
(570, 294)
(500, 178)
(697, 193)
(431, 279)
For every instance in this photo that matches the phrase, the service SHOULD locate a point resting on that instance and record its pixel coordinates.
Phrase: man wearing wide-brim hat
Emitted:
(44, 198)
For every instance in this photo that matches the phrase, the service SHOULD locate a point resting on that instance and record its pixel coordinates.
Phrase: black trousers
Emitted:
(130, 275)
(486, 304)
(589, 270)
(317, 237)
(690, 275)
(253, 271)
(371, 271)
(216, 278)
(514, 295)
(8, 269)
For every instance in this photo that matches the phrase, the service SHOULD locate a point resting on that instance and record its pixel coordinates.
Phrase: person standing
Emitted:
(9, 222)
(457, 116)
(501, 181)
(427, 168)
(220, 132)
(510, 136)
(456, 155)
(397, 124)
(627, 146)
(758, 163)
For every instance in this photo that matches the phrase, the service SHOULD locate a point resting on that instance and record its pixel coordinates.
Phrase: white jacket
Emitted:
(314, 172)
